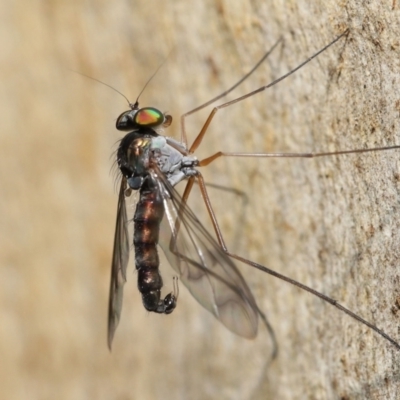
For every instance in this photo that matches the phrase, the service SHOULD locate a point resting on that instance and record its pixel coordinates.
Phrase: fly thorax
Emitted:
(138, 155)
(167, 158)
(138, 158)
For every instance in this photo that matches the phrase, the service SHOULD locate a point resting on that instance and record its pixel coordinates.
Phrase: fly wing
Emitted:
(203, 267)
(119, 263)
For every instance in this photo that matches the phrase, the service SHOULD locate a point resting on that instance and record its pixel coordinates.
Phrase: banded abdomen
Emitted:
(148, 215)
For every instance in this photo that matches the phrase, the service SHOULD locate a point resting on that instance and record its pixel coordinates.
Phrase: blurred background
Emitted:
(331, 223)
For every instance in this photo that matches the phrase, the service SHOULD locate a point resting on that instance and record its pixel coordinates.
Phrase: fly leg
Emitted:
(203, 130)
(269, 271)
(173, 247)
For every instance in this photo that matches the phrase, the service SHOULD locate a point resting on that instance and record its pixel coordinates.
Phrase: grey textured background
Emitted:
(331, 223)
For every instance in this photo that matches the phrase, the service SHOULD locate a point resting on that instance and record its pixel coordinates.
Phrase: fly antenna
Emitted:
(105, 84)
(131, 105)
(150, 79)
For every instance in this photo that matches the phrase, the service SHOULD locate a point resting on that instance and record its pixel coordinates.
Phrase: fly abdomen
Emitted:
(147, 219)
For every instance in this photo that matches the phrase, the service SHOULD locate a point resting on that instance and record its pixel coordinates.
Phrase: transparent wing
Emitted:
(208, 273)
(120, 260)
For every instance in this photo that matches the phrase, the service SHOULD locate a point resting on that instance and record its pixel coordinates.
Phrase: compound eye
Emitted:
(126, 121)
(149, 117)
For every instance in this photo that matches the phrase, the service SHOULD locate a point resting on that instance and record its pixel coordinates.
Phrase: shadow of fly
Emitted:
(152, 164)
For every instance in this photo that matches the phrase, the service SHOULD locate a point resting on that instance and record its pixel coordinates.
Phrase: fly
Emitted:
(152, 164)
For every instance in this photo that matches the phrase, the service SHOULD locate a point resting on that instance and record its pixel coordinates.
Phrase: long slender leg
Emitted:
(214, 99)
(212, 158)
(186, 193)
(175, 251)
(234, 191)
(269, 271)
(203, 131)
(241, 216)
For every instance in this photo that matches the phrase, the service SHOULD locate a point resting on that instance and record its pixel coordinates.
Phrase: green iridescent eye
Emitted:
(149, 116)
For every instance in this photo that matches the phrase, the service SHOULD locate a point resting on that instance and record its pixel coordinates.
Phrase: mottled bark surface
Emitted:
(330, 223)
